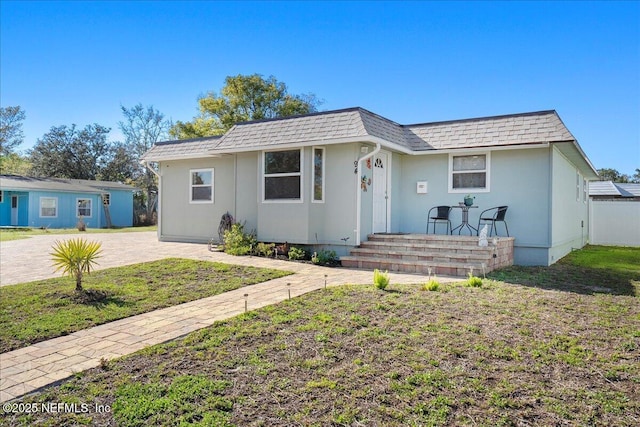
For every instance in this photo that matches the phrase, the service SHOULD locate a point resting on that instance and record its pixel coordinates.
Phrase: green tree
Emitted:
(612, 175)
(11, 134)
(75, 257)
(67, 152)
(122, 165)
(243, 98)
(14, 164)
(636, 177)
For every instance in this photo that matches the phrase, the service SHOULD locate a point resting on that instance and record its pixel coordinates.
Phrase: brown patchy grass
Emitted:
(501, 354)
(36, 311)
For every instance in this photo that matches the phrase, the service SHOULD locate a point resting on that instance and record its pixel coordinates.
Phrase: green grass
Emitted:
(553, 350)
(352, 355)
(25, 233)
(592, 270)
(35, 311)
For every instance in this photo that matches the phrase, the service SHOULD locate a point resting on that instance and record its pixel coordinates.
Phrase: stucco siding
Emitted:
(246, 190)
(569, 208)
(335, 218)
(310, 222)
(518, 179)
(183, 220)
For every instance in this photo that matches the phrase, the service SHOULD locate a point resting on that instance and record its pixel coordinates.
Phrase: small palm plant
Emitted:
(75, 257)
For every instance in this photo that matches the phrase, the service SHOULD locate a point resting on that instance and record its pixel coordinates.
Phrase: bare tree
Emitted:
(143, 127)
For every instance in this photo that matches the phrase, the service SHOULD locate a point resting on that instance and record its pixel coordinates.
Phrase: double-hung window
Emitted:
(84, 208)
(48, 207)
(201, 186)
(469, 173)
(282, 175)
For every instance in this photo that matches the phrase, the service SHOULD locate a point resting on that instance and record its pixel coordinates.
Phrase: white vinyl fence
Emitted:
(615, 222)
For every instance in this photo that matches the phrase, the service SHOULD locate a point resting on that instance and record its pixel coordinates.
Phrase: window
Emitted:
(585, 190)
(201, 186)
(469, 172)
(83, 207)
(283, 175)
(106, 199)
(318, 174)
(48, 207)
(1, 195)
(578, 186)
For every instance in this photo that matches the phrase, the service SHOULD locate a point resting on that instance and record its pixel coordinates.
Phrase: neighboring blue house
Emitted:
(59, 203)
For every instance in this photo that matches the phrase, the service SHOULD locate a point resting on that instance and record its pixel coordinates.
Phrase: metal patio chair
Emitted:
(441, 214)
(492, 216)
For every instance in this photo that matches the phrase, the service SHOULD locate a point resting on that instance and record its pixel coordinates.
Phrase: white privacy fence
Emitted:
(615, 222)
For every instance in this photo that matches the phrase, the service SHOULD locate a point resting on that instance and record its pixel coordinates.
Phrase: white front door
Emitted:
(380, 192)
(14, 210)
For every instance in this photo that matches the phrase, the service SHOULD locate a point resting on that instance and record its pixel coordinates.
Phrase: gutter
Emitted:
(359, 193)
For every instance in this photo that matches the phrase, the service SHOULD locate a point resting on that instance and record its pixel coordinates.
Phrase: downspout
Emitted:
(359, 193)
(147, 164)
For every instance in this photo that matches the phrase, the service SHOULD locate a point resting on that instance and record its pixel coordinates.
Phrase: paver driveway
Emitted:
(29, 259)
(28, 369)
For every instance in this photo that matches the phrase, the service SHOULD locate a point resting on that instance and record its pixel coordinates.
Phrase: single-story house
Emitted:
(60, 203)
(333, 178)
(614, 213)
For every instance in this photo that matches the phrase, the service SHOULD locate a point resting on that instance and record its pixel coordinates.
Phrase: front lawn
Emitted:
(591, 270)
(7, 234)
(36, 311)
(354, 355)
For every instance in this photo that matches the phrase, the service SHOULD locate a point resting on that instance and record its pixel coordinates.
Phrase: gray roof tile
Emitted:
(353, 123)
(15, 182)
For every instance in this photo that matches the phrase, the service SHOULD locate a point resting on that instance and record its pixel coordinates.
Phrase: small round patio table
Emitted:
(465, 220)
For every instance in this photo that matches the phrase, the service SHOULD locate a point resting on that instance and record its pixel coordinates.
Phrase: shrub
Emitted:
(75, 257)
(296, 253)
(431, 285)
(265, 249)
(380, 280)
(237, 242)
(81, 226)
(474, 281)
(323, 257)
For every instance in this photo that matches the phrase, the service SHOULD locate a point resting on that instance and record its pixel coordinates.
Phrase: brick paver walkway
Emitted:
(27, 369)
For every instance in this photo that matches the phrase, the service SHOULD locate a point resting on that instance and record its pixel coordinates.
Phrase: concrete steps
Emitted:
(443, 254)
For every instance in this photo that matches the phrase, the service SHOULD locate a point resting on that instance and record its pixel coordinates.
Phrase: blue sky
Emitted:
(412, 62)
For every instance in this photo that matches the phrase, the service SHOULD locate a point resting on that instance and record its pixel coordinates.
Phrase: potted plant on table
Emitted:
(468, 200)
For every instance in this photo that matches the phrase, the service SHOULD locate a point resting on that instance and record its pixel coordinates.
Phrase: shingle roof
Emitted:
(609, 188)
(358, 123)
(15, 182)
(184, 148)
(316, 127)
(515, 129)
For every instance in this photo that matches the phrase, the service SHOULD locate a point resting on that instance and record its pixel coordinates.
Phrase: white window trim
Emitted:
(487, 170)
(40, 207)
(313, 174)
(102, 198)
(191, 186)
(275, 175)
(78, 207)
